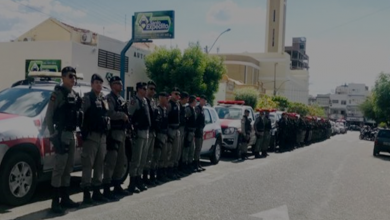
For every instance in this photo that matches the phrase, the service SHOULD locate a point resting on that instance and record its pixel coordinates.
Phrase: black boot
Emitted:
(140, 184)
(162, 174)
(264, 154)
(257, 155)
(87, 200)
(145, 178)
(133, 186)
(119, 191)
(169, 173)
(152, 178)
(176, 173)
(200, 166)
(194, 166)
(97, 196)
(55, 203)
(108, 194)
(66, 202)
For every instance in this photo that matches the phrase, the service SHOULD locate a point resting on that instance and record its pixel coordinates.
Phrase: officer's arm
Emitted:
(188, 112)
(169, 107)
(133, 107)
(86, 103)
(255, 124)
(243, 130)
(114, 115)
(52, 106)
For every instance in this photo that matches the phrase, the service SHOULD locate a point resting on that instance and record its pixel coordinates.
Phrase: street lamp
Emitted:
(275, 79)
(227, 30)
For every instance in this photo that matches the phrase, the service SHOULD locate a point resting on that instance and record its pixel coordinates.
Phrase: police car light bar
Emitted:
(44, 74)
(232, 102)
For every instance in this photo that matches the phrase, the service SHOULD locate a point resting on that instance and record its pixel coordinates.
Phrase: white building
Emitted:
(53, 45)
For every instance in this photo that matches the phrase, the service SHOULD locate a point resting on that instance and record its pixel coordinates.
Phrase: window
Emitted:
(207, 118)
(214, 116)
(23, 101)
(250, 114)
(225, 112)
(343, 102)
(384, 134)
(274, 15)
(273, 37)
(335, 101)
(112, 61)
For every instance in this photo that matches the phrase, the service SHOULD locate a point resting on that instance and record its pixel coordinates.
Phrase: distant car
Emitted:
(342, 127)
(230, 114)
(382, 142)
(212, 136)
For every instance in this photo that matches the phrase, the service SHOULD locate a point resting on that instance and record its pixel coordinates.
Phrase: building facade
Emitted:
(53, 45)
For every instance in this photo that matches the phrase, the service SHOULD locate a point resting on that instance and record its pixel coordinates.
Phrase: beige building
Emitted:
(53, 45)
(272, 68)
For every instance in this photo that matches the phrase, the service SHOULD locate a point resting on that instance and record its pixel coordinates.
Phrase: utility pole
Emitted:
(275, 78)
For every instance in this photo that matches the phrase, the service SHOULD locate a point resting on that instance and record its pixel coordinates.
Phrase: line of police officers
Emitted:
(293, 132)
(162, 140)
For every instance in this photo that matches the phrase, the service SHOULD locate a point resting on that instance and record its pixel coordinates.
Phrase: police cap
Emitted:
(164, 94)
(192, 99)
(175, 89)
(68, 69)
(184, 95)
(96, 76)
(140, 85)
(115, 79)
(202, 97)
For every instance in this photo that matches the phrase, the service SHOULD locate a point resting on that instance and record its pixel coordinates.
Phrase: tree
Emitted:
(381, 97)
(299, 108)
(282, 102)
(368, 108)
(249, 95)
(266, 101)
(315, 110)
(192, 71)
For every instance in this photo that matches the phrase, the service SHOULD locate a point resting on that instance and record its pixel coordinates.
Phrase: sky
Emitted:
(348, 41)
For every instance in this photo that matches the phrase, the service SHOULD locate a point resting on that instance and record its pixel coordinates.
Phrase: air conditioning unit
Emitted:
(86, 38)
(28, 39)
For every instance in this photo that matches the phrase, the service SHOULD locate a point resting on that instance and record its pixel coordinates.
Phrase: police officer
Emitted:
(267, 133)
(246, 129)
(139, 112)
(173, 156)
(62, 117)
(184, 97)
(152, 132)
(160, 148)
(189, 135)
(200, 124)
(259, 131)
(96, 125)
(115, 159)
(283, 130)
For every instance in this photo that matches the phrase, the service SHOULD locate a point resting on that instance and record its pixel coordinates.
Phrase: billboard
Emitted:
(154, 25)
(43, 65)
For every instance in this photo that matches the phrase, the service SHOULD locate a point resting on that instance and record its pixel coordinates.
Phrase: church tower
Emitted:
(276, 26)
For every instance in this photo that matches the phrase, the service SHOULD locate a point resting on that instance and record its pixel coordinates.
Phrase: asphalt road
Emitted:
(338, 179)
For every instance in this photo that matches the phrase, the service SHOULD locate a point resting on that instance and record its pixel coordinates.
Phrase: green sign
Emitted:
(43, 65)
(154, 25)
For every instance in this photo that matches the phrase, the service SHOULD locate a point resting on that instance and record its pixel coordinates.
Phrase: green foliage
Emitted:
(266, 101)
(249, 95)
(192, 71)
(376, 106)
(282, 102)
(299, 108)
(382, 125)
(315, 110)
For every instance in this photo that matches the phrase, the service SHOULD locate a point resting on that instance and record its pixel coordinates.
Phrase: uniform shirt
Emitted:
(245, 125)
(134, 106)
(259, 122)
(87, 102)
(57, 99)
(112, 113)
(170, 107)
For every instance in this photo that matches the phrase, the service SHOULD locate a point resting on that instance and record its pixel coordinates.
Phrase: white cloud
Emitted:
(24, 15)
(228, 12)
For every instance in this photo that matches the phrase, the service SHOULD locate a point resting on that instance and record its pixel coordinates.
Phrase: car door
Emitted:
(253, 133)
(208, 132)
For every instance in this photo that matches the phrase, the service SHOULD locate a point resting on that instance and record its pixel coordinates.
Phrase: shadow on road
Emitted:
(44, 192)
(383, 157)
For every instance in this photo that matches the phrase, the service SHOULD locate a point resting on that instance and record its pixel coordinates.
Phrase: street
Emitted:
(332, 180)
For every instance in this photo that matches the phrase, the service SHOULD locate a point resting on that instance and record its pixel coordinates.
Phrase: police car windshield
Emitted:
(229, 113)
(23, 101)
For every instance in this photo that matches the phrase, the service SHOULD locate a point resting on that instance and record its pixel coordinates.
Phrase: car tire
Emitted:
(216, 153)
(27, 179)
(375, 152)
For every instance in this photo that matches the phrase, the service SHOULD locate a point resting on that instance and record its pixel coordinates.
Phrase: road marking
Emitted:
(279, 213)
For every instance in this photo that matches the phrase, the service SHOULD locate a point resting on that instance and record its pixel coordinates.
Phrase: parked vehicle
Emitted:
(230, 114)
(382, 142)
(212, 136)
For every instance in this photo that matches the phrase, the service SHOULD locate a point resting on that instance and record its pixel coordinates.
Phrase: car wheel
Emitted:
(216, 154)
(18, 179)
(375, 152)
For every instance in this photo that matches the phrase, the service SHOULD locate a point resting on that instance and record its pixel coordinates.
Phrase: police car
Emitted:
(212, 136)
(26, 156)
(230, 114)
